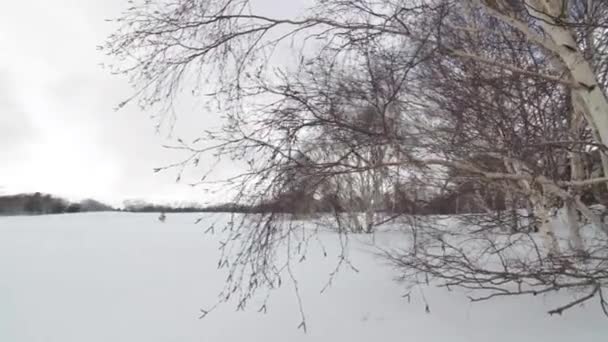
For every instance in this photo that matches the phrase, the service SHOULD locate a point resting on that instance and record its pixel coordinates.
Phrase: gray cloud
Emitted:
(16, 128)
(58, 130)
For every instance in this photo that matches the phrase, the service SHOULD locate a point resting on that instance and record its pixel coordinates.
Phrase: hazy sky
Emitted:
(58, 130)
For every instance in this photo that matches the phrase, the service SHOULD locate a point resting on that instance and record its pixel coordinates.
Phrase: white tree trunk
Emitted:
(540, 210)
(511, 209)
(576, 174)
(576, 241)
(558, 39)
(588, 93)
(546, 229)
(530, 219)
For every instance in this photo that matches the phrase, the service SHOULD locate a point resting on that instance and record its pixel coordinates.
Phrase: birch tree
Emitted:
(520, 82)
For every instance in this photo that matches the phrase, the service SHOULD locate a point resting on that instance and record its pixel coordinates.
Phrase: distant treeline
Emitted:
(140, 206)
(459, 201)
(40, 204)
(146, 207)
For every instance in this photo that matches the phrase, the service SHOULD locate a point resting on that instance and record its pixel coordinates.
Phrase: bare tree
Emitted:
(501, 95)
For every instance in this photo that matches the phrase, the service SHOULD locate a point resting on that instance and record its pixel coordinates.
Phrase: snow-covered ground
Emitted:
(127, 277)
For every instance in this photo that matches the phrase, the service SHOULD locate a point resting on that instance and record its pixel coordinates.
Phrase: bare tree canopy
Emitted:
(369, 111)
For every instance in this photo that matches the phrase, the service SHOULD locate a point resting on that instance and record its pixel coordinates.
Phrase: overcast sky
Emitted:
(58, 130)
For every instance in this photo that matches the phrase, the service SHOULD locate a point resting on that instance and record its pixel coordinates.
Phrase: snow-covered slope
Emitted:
(127, 277)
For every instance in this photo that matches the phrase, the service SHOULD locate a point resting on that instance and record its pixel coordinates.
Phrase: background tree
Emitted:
(34, 204)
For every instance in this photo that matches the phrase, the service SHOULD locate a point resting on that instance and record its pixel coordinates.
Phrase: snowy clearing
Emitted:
(127, 277)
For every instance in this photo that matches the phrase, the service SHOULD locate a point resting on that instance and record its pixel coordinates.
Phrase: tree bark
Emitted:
(576, 241)
(576, 174)
(592, 99)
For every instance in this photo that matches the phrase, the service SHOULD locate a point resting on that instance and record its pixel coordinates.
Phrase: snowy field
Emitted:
(128, 278)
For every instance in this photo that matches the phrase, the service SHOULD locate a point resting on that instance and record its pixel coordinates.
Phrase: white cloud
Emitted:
(59, 131)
